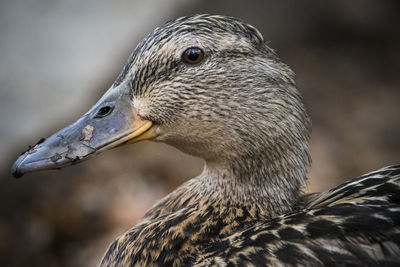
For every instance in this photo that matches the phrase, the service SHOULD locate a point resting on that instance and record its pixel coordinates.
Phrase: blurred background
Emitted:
(58, 57)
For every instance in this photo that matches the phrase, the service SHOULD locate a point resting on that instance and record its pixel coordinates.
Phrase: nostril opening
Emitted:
(104, 111)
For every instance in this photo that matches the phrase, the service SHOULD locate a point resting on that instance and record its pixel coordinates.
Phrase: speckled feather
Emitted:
(356, 223)
(240, 111)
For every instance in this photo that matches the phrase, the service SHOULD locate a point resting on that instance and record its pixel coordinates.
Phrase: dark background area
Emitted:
(58, 57)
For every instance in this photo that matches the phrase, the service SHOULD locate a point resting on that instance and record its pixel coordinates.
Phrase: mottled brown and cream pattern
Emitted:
(240, 111)
(237, 108)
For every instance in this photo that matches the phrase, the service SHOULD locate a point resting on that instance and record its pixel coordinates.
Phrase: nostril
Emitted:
(104, 111)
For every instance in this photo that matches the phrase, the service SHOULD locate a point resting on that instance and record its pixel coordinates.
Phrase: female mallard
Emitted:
(210, 86)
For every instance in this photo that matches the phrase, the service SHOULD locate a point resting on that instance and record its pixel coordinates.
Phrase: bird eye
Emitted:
(193, 55)
(104, 111)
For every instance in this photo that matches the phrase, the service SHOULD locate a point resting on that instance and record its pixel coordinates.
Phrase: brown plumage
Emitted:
(210, 86)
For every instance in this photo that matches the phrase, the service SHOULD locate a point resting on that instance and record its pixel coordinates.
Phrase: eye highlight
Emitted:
(193, 55)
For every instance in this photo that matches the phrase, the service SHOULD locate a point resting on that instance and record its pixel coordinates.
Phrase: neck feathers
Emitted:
(263, 189)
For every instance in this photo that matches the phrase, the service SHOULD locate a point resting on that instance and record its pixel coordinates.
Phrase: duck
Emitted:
(211, 86)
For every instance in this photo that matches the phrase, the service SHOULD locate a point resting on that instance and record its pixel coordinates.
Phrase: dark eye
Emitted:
(193, 55)
(104, 111)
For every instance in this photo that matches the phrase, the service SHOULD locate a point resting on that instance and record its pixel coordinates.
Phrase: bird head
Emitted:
(208, 85)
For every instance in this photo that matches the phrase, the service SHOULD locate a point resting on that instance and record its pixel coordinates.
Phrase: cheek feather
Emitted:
(142, 106)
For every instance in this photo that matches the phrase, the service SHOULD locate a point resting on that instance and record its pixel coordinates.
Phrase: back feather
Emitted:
(356, 223)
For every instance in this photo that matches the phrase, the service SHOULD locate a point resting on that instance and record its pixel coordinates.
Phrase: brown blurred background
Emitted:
(58, 57)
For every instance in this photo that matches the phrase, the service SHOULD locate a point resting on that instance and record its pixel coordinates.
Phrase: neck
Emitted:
(273, 186)
(266, 189)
